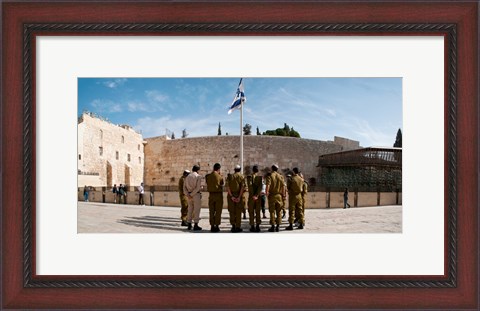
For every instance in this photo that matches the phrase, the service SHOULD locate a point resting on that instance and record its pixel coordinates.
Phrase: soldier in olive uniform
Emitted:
(229, 198)
(215, 183)
(183, 199)
(275, 191)
(304, 200)
(284, 199)
(235, 189)
(254, 184)
(294, 187)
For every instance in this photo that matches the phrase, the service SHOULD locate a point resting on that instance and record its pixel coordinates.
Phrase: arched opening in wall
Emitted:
(109, 175)
(127, 174)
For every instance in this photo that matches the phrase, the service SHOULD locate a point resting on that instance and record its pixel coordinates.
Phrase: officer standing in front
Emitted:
(275, 191)
(235, 189)
(215, 183)
(191, 188)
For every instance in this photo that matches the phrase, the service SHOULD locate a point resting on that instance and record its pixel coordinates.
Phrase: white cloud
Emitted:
(156, 96)
(105, 106)
(137, 106)
(371, 136)
(114, 83)
(151, 127)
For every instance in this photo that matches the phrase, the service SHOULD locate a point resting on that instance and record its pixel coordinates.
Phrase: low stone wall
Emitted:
(314, 199)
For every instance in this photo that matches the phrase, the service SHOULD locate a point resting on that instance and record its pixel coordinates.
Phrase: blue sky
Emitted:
(365, 109)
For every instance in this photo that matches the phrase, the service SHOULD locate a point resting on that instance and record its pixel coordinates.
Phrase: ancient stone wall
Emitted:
(115, 154)
(166, 159)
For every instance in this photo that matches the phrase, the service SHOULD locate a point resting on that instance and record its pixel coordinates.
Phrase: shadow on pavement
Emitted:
(163, 223)
(174, 224)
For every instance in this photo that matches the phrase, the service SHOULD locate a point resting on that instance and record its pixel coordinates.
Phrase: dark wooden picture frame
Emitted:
(458, 288)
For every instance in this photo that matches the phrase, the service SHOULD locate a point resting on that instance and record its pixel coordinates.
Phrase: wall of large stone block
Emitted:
(314, 199)
(166, 159)
(128, 167)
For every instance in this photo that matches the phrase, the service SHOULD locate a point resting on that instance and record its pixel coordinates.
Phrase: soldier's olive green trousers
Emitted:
(184, 207)
(215, 206)
(275, 204)
(295, 210)
(236, 210)
(254, 208)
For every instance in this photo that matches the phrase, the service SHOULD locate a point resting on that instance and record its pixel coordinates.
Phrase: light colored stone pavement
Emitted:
(115, 218)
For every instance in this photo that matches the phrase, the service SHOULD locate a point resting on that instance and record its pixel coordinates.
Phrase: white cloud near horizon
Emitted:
(106, 106)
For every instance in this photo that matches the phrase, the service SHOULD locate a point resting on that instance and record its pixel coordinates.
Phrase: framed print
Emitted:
(55, 54)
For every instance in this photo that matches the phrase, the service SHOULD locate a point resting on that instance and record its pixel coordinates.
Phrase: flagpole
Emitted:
(241, 138)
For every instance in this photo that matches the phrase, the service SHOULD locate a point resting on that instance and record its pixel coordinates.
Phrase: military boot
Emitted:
(277, 228)
(196, 228)
(290, 227)
(300, 226)
(272, 229)
(257, 229)
(252, 228)
(189, 226)
(184, 223)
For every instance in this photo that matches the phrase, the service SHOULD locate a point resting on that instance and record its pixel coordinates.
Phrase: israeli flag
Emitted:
(239, 98)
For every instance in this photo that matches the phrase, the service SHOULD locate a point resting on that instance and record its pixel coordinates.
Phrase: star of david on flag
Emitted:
(239, 98)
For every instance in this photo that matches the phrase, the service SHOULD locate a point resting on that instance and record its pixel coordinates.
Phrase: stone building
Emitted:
(115, 154)
(108, 154)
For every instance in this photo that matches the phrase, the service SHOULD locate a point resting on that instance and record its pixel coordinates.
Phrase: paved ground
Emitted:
(111, 218)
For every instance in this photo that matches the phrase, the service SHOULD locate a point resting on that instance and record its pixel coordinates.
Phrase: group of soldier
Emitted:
(273, 186)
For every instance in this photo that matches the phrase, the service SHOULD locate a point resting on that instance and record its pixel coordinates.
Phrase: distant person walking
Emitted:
(191, 188)
(275, 191)
(121, 194)
(85, 193)
(235, 189)
(215, 184)
(115, 190)
(141, 192)
(345, 199)
(183, 199)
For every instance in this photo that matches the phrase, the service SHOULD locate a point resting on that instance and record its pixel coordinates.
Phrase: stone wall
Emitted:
(166, 159)
(114, 153)
(314, 199)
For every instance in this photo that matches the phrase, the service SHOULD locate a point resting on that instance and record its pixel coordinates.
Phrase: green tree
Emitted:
(219, 129)
(285, 131)
(173, 135)
(258, 131)
(247, 129)
(398, 139)
(293, 133)
(184, 133)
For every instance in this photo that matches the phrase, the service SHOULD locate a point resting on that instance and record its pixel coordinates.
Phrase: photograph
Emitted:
(191, 155)
(258, 155)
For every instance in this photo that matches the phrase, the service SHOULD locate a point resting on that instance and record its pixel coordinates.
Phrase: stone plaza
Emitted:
(118, 218)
